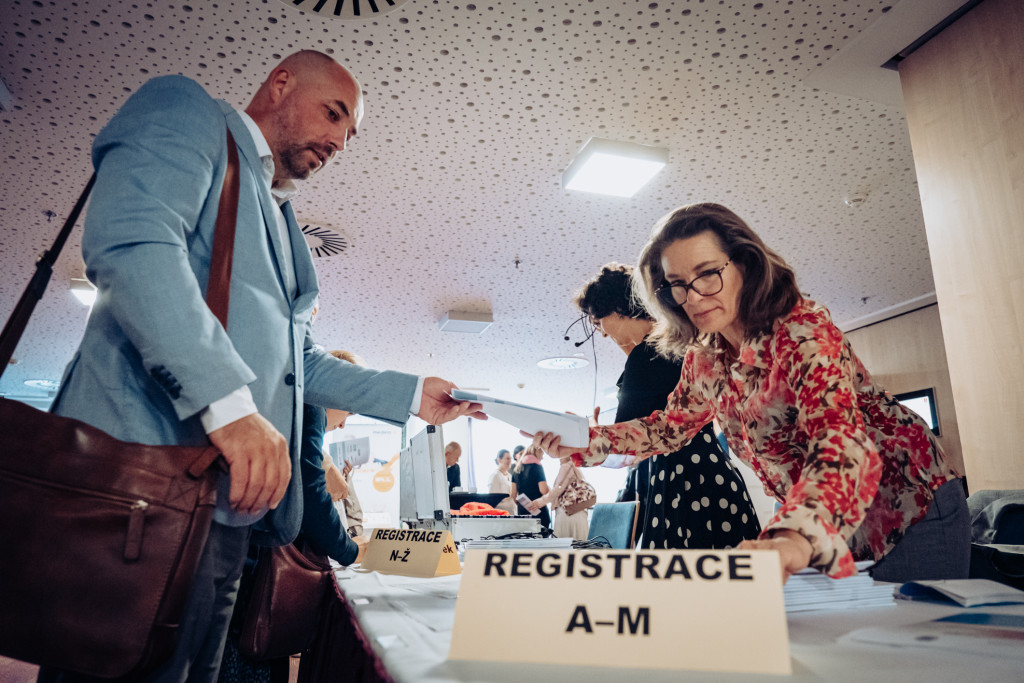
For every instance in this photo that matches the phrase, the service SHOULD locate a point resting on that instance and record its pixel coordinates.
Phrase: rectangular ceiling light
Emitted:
(618, 169)
(467, 323)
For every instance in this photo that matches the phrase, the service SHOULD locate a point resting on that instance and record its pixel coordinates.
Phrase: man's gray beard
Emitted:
(291, 159)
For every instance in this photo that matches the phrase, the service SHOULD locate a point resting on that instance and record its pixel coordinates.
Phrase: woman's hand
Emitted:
(550, 444)
(794, 550)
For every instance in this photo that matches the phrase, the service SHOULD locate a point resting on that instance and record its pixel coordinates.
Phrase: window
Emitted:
(922, 402)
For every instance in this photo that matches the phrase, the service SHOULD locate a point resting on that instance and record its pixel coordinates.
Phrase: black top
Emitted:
(321, 524)
(528, 481)
(454, 476)
(699, 474)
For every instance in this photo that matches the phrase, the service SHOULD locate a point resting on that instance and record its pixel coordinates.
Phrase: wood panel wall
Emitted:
(964, 97)
(907, 354)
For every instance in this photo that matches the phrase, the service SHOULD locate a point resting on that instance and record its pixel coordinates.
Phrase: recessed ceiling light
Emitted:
(563, 363)
(83, 290)
(467, 323)
(45, 384)
(613, 168)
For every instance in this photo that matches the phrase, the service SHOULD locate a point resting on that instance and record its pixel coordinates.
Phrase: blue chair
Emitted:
(615, 522)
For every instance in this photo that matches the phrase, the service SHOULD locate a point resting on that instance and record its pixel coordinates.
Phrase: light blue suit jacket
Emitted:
(153, 355)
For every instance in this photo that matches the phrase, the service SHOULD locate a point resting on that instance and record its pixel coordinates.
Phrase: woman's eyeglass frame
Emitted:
(666, 293)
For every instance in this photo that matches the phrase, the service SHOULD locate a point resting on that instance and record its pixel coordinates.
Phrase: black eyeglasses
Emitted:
(709, 282)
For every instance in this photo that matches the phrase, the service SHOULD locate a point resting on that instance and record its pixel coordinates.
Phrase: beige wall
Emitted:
(964, 98)
(907, 354)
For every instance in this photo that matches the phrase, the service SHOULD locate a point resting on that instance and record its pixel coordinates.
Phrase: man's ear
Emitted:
(281, 82)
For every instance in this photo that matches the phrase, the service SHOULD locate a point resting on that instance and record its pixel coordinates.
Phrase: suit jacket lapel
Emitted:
(251, 161)
(305, 273)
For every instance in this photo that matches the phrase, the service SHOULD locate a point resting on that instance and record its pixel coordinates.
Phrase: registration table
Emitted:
(392, 628)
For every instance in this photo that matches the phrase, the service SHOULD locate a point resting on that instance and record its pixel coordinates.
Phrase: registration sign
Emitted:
(661, 609)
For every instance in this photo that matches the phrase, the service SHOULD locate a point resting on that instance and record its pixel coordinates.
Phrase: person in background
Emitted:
(500, 481)
(694, 497)
(516, 450)
(528, 479)
(575, 525)
(353, 508)
(322, 532)
(452, 453)
(339, 483)
(858, 476)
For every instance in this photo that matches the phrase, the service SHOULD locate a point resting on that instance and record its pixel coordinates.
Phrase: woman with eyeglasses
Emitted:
(858, 476)
(692, 498)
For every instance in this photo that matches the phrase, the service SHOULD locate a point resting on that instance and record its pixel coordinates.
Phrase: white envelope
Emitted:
(574, 429)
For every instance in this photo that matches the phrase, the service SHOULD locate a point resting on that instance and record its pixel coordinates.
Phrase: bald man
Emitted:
(155, 366)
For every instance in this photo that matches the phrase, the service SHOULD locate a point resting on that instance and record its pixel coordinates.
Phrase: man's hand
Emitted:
(437, 405)
(361, 541)
(794, 550)
(257, 455)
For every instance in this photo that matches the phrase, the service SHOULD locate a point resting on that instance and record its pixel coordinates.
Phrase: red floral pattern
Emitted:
(852, 467)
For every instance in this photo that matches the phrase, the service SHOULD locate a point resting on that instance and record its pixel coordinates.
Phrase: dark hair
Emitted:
(502, 452)
(611, 292)
(517, 449)
(769, 288)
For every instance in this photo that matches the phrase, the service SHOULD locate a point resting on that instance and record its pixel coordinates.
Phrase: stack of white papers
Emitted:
(811, 590)
(549, 543)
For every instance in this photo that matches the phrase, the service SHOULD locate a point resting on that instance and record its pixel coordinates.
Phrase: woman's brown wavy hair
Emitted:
(769, 288)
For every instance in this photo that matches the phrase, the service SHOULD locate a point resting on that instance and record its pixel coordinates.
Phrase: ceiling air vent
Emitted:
(324, 242)
(350, 10)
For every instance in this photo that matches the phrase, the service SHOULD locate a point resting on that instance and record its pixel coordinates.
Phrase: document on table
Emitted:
(965, 592)
(978, 633)
(574, 429)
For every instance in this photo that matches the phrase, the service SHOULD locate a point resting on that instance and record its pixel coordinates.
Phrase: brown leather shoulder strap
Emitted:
(218, 292)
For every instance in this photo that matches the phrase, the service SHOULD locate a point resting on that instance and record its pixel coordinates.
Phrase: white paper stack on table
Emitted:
(549, 543)
(811, 590)
(574, 429)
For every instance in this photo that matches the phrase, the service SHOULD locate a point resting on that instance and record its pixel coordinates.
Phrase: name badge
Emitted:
(659, 609)
(411, 552)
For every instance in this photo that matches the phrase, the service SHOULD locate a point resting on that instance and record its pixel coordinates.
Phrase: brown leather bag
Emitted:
(289, 591)
(100, 538)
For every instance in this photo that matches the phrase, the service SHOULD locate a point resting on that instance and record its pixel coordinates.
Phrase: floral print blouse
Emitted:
(852, 468)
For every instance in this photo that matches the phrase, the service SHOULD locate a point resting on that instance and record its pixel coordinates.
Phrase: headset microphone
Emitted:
(582, 320)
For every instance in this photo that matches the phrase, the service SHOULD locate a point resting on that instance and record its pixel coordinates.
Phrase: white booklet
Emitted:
(574, 429)
(966, 592)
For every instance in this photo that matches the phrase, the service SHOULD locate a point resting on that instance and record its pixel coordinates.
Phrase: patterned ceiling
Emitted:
(449, 199)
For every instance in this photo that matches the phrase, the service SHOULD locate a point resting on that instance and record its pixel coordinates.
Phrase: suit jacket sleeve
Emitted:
(384, 395)
(159, 161)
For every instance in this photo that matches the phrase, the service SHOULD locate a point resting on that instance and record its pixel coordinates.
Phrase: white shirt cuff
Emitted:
(224, 411)
(417, 397)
